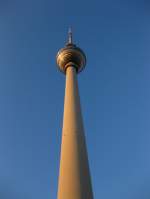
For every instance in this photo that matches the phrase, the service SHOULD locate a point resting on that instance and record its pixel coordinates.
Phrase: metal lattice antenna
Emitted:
(70, 36)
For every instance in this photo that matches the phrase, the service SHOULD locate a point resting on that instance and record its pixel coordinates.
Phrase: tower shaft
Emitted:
(74, 175)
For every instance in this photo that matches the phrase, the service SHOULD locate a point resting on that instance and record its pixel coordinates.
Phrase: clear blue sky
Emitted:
(114, 90)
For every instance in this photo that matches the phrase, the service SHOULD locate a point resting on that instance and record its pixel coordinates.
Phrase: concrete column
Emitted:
(74, 176)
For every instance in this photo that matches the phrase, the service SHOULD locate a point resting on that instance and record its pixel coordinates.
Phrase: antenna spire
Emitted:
(70, 36)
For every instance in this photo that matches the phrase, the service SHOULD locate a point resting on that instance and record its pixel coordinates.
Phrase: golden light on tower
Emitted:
(69, 55)
(74, 175)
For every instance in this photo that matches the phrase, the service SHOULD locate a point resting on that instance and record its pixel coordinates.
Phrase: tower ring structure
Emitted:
(71, 55)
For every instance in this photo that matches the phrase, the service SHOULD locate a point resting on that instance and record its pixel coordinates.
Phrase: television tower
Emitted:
(74, 175)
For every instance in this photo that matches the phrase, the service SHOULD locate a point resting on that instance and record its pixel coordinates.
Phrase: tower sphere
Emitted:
(71, 55)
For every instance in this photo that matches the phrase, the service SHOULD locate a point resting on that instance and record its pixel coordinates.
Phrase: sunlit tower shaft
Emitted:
(74, 175)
